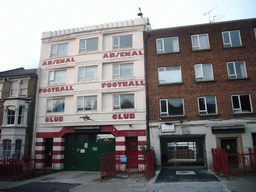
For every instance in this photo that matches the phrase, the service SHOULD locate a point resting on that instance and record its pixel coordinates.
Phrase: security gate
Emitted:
(183, 151)
(83, 151)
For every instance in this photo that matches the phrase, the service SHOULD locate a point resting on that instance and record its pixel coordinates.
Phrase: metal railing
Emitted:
(234, 163)
(113, 163)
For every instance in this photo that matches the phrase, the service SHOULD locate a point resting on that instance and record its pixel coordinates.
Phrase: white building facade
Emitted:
(91, 94)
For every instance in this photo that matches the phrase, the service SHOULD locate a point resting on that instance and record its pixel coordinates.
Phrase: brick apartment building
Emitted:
(201, 90)
(91, 96)
(17, 104)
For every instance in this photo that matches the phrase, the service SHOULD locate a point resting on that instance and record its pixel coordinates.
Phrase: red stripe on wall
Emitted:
(58, 144)
(58, 152)
(122, 143)
(40, 143)
(39, 152)
(61, 133)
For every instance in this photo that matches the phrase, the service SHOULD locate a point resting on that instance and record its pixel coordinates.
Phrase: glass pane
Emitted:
(7, 145)
(21, 115)
(203, 40)
(18, 145)
(53, 50)
(161, 74)
(126, 70)
(163, 106)
(127, 101)
(81, 74)
(116, 71)
(90, 103)
(58, 105)
(159, 45)
(235, 38)
(226, 39)
(168, 45)
(82, 45)
(91, 72)
(231, 70)
(60, 76)
(195, 44)
(62, 49)
(198, 72)
(240, 69)
(245, 103)
(126, 41)
(201, 104)
(175, 106)
(207, 71)
(173, 74)
(115, 41)
(235, 102)
(80, 103)
(211, 105)
(92, 44)
(116, 102)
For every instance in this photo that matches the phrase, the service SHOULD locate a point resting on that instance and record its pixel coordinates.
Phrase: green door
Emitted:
(83, 152)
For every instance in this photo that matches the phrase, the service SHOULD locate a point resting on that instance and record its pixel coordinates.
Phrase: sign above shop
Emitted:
(122, 54)
(168, 127)
(58, 61)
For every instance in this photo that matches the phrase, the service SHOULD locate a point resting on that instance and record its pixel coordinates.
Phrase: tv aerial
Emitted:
(215, 17)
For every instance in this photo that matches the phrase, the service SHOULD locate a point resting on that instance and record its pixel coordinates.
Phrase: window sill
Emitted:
(198, 50)
(167, 84)
(244, 114)
(178, 52)
(173, 116)
(207, 81)
(208, 115)
(246, 78)
(241, 46)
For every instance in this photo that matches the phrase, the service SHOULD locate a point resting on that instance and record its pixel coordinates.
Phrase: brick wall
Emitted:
(221, 87)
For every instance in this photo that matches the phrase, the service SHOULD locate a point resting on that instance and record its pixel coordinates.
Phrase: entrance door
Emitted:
(131, 144)
(230, 146)
(48, 151)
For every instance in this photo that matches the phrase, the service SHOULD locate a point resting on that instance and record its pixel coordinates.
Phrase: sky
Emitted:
(23, 21)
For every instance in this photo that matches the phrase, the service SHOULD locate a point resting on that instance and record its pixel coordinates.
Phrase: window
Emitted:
(19, 88)
(123, 70)
(236, 70)
(88, 45)
(255, 32)
(171, 107)
(87, 103)
(241, 103)
(203, 72)
(122, 42)
(124, 101)
(169, 75)
(10, 115)
(1, 89)
(207, 105)
(231, 38)
(87, 73)
(18, 146)
(21, 115)
(57, 77)
(55, 105)
(167, 45)
(200, 41)
(7, 148)
(59, 49)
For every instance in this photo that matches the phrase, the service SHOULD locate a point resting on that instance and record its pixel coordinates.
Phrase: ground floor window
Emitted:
(7, 148)
(254, 139)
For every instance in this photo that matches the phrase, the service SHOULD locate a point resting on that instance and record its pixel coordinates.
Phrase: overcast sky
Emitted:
(23, 21)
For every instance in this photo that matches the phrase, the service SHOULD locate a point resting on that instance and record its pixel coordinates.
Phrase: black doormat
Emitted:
(185, 175)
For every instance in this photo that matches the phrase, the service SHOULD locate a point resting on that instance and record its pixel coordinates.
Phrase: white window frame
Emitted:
(55, 50)
(235, 75)
(21, 115)
(239, 109)
(83, 77)
(205, 111)
(50, 105)
(166, 113)
(8, 151)
(119, 70)
(202, 76)
(11, 116)
(53, 79)
(198, 47)
(229, 43)
(19, 89)
(82, 108)
(161, 49)
(1, 89)
(85, 48)
(119, 41)
(164, 70)
(119, 105)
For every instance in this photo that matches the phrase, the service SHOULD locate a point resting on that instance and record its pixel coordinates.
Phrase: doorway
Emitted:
(230, 146)
(131, 144)
(48, 151)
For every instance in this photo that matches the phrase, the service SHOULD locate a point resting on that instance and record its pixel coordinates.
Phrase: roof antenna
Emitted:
(140, 14)
(209, 12)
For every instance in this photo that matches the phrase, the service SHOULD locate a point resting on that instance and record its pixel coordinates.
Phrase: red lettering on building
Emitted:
(122, 54)
(53, 119)
(56, 89)
(58, 61)
(124, 116)
(123, 84)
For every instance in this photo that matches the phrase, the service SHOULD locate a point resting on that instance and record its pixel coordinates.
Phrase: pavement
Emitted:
(79, 181)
